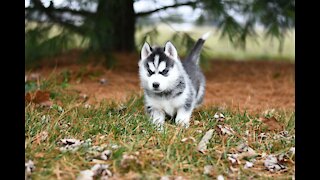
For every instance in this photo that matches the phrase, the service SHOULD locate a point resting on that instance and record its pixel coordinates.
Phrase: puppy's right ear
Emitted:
(145, 51)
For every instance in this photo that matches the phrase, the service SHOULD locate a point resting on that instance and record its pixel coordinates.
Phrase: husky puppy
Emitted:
(171, 87)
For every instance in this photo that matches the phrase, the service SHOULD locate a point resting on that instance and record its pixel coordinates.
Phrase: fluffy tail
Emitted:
(195, 52)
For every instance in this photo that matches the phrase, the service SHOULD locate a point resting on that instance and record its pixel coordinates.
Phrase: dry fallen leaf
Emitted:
(101, 170)
(242, 147)
(165, 178)
(128, 160)
(188, 139)
(105, 155)
(29, 166)
(32, 77)
(292, 150)
(98, 170)
(220, 177)
(45, 119)
(248, 165)
(245, 151)
(262, 136)
(219, 117)
(202, 146)
(233, 158)
(247, 133)
(225, 130)
(180, 178)
(70, 144)
(39, 155)
(271, 123)
(114, 146)
(39, 97)
(209, 170)
(272, 164)
(172, 178)
(87, 106)
(268, 112)
(199, 131)
(196, 123)
(85, 175)
(41, 137)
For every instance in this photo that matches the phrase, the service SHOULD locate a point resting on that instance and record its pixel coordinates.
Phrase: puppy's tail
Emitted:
(195, 52)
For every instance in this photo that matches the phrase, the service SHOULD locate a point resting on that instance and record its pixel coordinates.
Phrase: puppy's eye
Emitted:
(150, 72)
(164, 72)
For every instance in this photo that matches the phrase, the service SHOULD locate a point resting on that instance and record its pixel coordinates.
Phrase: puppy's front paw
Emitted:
(158, 118)
(183, 118)
(159, 127)
(183, 123)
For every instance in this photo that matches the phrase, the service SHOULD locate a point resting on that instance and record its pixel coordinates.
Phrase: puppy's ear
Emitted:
(145, 51)
(170, 50)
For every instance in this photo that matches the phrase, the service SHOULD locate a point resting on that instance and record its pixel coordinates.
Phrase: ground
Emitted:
(87, 115)
(253, 86)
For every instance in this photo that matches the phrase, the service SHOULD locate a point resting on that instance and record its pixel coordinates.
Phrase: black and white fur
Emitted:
(171, 87)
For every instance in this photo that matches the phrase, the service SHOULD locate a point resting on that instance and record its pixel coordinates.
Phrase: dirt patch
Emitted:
(254, 86)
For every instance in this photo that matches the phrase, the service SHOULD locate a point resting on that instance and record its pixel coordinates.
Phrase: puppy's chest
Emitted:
(170, 106)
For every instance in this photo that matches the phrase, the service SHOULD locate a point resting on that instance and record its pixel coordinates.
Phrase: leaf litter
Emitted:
(219, 117)
(248, 165)
(244, 151)
(272, 164)
(188, 139)
(209, 170)
(29, 168)
(73, 144)
(202, 146)
(98, 170)
(225, 129)
(271, 123)
(105, 155)
(39, 97)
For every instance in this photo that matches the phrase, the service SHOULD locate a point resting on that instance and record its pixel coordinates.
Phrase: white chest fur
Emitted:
(169, 106)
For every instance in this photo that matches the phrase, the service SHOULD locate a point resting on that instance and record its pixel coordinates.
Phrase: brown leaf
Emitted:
(188, 139)
(39, 97)
(271, 123)
(39, 155)
(209, 170)
(202, 146)
(224, 129)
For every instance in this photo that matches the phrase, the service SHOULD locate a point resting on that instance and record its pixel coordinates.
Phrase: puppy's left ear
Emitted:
(170, 50)
(145, 51)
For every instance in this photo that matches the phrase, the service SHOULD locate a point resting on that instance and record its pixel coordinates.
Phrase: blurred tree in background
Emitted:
(109, 25)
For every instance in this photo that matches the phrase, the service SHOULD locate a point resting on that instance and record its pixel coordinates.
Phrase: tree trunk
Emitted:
(115, 25)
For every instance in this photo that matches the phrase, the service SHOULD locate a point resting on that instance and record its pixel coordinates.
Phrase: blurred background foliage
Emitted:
(101, 27)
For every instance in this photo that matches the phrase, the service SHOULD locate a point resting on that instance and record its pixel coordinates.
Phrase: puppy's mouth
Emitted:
(156, 90)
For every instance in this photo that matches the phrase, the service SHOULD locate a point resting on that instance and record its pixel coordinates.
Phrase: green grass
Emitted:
(126, 125)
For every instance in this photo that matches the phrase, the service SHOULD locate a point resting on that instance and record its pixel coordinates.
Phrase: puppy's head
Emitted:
(158, 67)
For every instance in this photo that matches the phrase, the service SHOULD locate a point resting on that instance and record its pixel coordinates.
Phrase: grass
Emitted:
(126, 125)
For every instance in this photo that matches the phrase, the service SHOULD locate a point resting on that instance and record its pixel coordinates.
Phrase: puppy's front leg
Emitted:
(183, 117)
(157, 118)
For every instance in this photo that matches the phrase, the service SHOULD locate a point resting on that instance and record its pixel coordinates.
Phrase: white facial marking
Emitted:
(162, 66)
(151, 66)
(156, 60)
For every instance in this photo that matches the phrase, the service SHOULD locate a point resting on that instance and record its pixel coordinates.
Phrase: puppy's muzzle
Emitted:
(155, 85)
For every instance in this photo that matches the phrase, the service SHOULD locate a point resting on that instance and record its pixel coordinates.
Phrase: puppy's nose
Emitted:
(155, 85)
